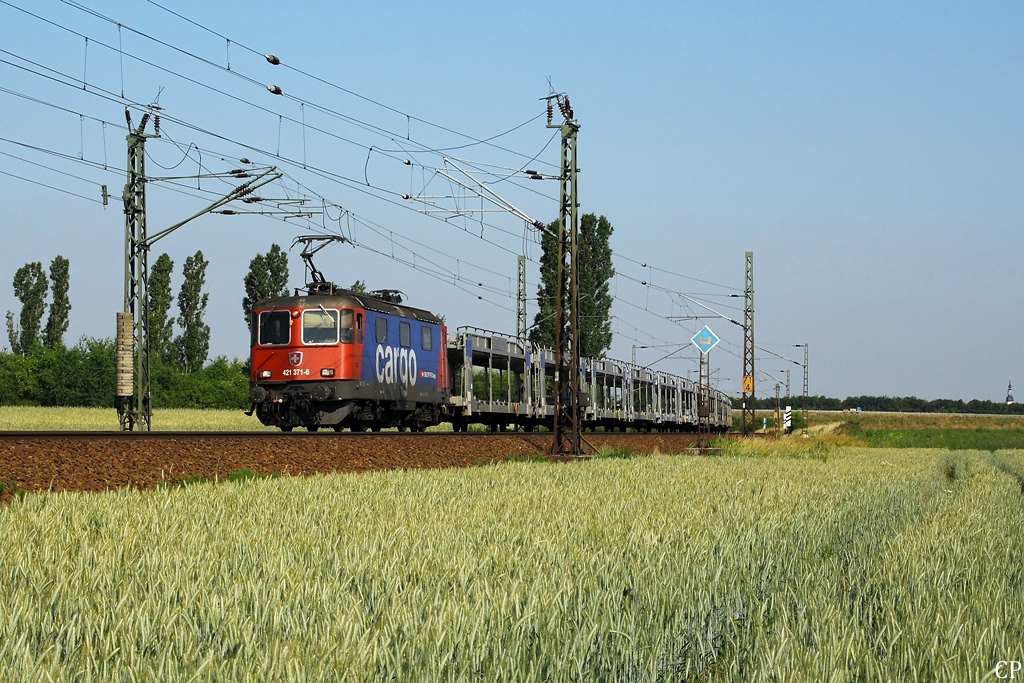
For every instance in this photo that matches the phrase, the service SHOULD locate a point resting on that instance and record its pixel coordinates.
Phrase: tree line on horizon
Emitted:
(891, 404)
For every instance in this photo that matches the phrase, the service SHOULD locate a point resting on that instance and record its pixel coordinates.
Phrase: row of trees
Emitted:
(41, 370)
(894, 404)
(188, 351)
(31, 288)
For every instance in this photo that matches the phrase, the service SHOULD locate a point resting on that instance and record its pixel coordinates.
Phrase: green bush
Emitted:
(84, 376)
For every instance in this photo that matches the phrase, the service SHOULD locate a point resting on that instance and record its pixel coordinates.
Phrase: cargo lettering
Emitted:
(396, 366)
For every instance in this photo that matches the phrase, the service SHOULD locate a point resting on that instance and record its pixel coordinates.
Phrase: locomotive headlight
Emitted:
(265, 374)
(327, 372)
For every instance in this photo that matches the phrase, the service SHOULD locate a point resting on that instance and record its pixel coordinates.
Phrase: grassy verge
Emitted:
(33, 418)
(980, 439)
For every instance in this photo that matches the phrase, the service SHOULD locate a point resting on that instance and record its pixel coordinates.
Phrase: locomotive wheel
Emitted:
(338, 428)
(313, 428)
(286, 428)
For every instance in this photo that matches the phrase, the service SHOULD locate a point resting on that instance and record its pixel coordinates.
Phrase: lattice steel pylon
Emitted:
(567, 417)
(133, 389)
(747, 417)
(521, 297)
(134, 411)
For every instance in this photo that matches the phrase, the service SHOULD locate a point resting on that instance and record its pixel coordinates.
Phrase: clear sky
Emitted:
(870, 154)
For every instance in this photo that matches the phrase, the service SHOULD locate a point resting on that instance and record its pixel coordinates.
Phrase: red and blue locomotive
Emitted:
(337, 358)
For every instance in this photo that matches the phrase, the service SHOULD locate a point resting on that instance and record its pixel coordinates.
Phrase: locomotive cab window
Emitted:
(275, 328)
(381, 330)
(405, 334)
(347, 327)
(319, 326)
(426, 339)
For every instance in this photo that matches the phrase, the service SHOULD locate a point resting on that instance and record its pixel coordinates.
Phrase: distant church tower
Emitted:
(1009, 393)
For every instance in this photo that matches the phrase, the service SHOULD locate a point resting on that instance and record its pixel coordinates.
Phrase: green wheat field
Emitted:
(802, 560)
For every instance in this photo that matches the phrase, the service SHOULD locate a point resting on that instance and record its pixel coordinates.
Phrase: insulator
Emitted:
(227, 212)
(244, 161)
(128, 117)
(530, 172)
(551, 111)
(275, 89)
(156, 123)
(142, 123)
(243, 190)
(272, 59)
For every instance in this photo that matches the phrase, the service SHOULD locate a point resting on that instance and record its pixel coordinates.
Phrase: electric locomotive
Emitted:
(337, 358)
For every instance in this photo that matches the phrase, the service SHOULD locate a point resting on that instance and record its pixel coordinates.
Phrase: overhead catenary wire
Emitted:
(252, 81)
(199, 129)
(349, 182)
(331, 84)
(345, 181)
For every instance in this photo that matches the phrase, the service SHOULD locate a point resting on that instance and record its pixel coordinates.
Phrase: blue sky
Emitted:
(869, 154)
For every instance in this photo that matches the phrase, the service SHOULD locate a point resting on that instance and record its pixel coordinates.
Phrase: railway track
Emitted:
(98, 461)
(325, 434)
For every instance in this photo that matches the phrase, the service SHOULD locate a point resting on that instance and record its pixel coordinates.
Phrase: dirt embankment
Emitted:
(98, 463)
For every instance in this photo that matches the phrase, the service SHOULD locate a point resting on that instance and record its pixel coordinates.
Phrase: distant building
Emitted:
(1009, 393)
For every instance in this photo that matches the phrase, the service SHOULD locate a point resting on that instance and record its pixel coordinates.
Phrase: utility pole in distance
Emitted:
(747, 417)
(567, 418)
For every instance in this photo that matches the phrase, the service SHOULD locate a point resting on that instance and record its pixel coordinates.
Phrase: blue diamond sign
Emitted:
(705, 340)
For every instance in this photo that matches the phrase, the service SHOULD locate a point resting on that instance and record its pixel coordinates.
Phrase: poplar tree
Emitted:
(267, 277)
(595, 272)
(161, 326)
(30, 288)
(194, 342)
(60, 307)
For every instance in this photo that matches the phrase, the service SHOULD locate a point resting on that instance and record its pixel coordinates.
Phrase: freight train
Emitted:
(337, 359)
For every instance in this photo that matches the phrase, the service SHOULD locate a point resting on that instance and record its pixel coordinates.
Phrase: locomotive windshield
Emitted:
(319, 326)
(275, 328)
